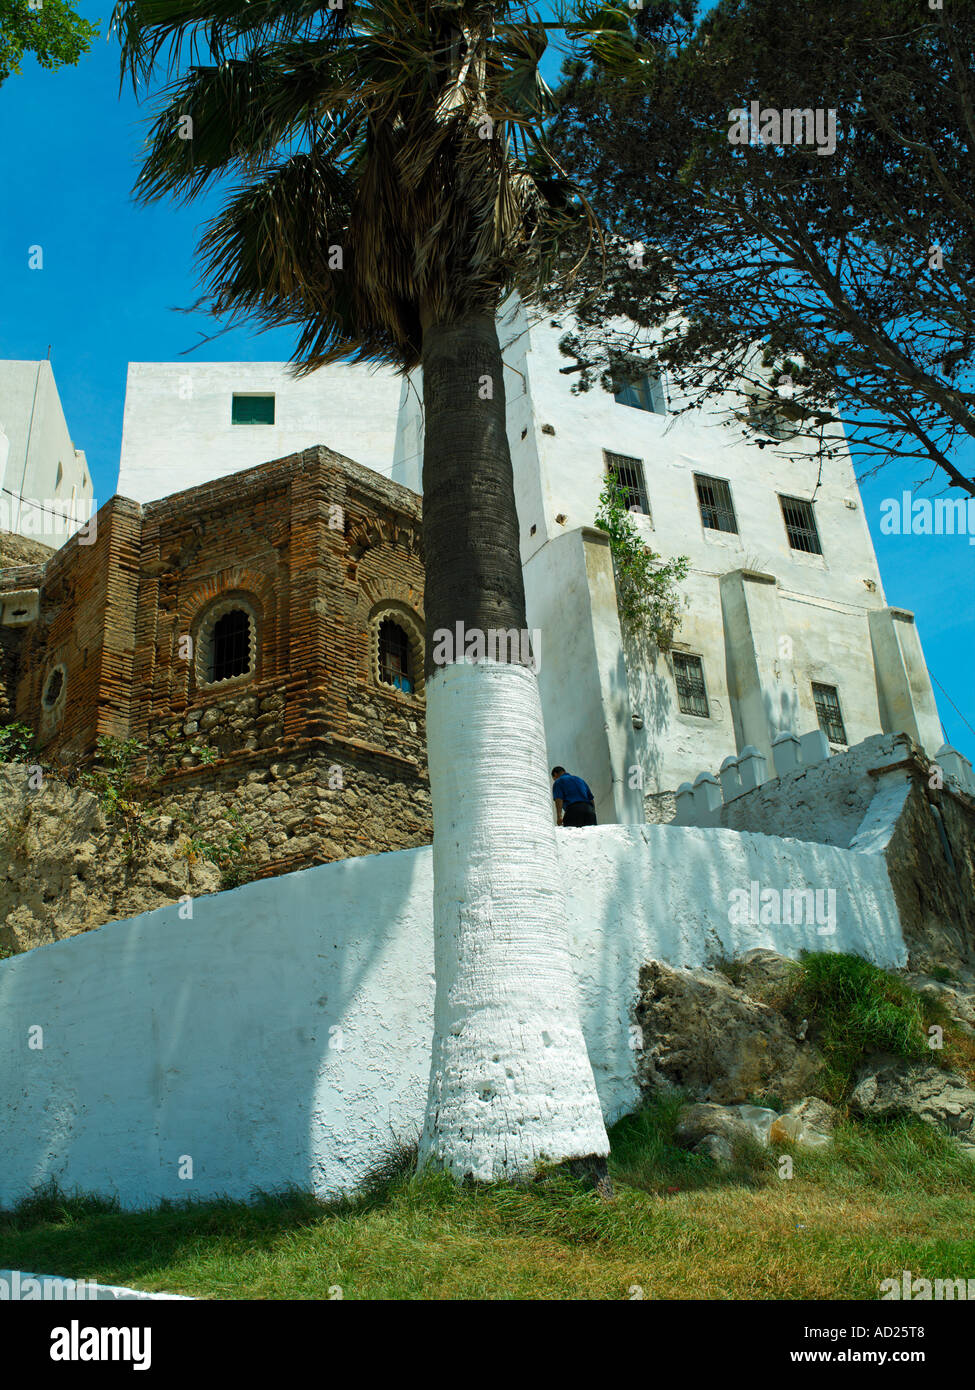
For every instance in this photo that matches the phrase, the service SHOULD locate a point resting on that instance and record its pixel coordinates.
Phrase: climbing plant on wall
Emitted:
(646, 585)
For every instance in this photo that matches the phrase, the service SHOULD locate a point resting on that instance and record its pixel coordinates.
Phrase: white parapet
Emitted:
(730, 778)
(813, 747)
(956, 766)
(752, 768)
(685, 805)
(707, 796)
(785, 753)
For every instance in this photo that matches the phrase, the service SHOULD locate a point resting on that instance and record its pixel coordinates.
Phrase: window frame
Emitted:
(253, 396)
(800, 528)
(655, 395)
(629, 460)
(203, 643)
(678, 657)
(834, 691)
(716, 506)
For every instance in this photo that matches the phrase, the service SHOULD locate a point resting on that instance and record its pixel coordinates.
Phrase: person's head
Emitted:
(557, 772)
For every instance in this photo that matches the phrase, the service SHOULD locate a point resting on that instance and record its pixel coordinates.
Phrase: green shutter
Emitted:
(252, 410)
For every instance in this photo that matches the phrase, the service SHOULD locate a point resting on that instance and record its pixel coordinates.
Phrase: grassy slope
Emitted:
(885, 1199)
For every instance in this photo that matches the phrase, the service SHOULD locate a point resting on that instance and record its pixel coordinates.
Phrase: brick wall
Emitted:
(318, 550)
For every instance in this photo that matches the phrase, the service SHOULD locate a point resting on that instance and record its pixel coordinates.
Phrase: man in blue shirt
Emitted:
(574, 802)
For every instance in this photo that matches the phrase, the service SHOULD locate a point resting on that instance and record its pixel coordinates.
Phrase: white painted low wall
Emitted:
(283, 1034)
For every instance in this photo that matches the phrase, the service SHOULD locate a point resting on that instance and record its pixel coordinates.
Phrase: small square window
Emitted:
(828, 712)
(800, 525)
(252, 410)
(628, 472)
(645, 391)
(692, 697)
(714, 501)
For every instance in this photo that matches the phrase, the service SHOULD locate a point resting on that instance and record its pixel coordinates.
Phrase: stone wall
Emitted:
(319, 551)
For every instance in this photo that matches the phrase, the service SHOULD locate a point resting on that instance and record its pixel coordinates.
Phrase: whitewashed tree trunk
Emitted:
(511, 1085)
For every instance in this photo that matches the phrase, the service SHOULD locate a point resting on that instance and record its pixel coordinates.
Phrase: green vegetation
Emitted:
(49, 29)
(645, 585)
(16, 743)
(679, 1228)
(228, 852)
(856, 1009)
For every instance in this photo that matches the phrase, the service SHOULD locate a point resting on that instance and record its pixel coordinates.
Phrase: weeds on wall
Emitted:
(126, 796)
(646, 586)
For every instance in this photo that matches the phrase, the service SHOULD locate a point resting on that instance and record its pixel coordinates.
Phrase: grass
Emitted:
(856, 1009)
(883, 1199)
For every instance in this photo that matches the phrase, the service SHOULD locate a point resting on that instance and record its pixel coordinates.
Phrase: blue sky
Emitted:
(116, 277)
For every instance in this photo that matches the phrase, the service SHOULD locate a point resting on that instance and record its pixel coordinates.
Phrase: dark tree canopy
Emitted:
(837, 233)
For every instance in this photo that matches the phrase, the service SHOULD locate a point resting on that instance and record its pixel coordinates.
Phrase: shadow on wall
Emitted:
(191, 1058)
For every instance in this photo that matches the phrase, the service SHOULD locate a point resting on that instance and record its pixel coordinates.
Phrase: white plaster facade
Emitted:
(282, 1034)
(766, 620)
(47, 488)
(178, 430)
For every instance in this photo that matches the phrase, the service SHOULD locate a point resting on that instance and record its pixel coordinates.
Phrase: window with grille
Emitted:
(800, 525)
(230, 651)
(692, 698)
(714, 500)
(628, 473)
(645, 391)
(252, 410)
(394, 656)
(828, 712)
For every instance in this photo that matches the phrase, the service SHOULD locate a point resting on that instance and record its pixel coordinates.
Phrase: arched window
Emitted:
(226, 646)
(230, 655)
(395, 659)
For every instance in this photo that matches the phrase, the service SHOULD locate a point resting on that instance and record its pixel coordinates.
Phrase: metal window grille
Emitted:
(231, 652)
(828, 712)
(628, 473)
(645, 392)
(800, 525)
(394, 656)
(252, 410)
(692, 698)
(714, 500)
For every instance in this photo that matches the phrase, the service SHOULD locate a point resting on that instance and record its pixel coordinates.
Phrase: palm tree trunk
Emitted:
(510, 1081)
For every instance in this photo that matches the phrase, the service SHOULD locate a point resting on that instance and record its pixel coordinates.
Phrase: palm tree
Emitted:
(393, 189)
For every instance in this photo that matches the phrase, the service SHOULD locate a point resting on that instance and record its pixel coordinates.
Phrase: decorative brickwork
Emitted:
(316, 550)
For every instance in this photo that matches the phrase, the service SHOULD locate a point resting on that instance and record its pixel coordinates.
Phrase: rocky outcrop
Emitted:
(65, 867)
(888, 1087)
(723, 1131)
(708, 1037)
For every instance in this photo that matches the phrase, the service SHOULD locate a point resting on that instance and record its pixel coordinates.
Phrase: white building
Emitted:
(46, 489)
(188, 423)
(786, 628)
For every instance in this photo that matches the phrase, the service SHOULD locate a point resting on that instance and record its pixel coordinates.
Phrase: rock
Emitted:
(957, 995)
(888, 1086)
(704, 1121)
(809, 1123)
(707, 1036)
(764, 974)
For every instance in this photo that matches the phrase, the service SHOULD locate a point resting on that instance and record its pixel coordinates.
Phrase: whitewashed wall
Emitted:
(814, 617)
(39, 441)
(177, 430)
(283, 1034)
